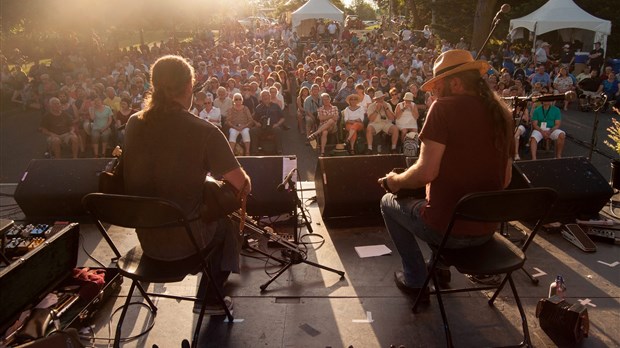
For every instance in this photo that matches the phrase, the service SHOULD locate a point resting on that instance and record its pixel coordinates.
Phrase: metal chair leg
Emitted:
(146, 297)
(526, 333)
(444, 317)
(119, 325)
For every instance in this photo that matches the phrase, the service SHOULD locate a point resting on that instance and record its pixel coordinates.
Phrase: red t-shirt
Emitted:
(470, 162)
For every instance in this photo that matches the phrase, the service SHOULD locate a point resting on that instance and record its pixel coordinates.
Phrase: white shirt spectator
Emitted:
(214, 116)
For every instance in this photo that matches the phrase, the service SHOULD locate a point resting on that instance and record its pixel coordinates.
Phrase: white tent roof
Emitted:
(317, 9)
(561, 14)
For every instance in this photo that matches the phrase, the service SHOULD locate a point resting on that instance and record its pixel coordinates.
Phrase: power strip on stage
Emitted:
(607, 235)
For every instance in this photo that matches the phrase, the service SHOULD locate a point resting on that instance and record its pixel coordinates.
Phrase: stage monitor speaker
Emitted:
(53, 188)
(347, 186)
(582, 190)
(266, 173)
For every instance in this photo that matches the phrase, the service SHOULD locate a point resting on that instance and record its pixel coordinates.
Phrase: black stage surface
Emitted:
(308, 307)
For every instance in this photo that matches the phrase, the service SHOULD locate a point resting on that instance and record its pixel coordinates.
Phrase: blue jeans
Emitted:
(404, 223)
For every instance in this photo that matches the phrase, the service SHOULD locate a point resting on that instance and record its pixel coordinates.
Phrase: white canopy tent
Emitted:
(570, 20)
(302, 18)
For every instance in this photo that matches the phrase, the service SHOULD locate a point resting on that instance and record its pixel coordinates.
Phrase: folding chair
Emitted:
(498, 255)
(149, 213)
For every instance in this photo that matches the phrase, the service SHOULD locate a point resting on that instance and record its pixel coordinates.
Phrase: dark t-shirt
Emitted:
(598, 61)
(169, 156)
(470, 162)
(58, 124)
(273, 112)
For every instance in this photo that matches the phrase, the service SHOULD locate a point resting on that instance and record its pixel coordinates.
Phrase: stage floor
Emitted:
(310, 307)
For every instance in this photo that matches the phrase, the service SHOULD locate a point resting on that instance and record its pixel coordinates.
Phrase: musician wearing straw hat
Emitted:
(467, 146)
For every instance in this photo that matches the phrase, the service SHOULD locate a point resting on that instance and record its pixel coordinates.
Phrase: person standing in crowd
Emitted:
(465, 105)
(168, 153)
(99, 126)
(596, 57)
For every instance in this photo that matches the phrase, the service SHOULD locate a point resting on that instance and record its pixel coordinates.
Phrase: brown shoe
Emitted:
(399, 279)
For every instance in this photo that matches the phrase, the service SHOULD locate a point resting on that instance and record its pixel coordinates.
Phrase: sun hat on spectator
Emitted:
(352, 96)
(378, 94)
(452, 62)
(408, 96)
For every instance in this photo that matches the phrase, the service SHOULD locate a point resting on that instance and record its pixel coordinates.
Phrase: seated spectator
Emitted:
(269, 119)
(222, 101)
(99, 125)
(249, 99)
(211, 113)
(199, 103)
(394, 98)
(304, 92)
(311, 107)
(363, 99)
(381, 116)
(406, 114)
(112, 100)
(347, 89)
(611, 88)
(524, 127)
(564, 83)
(546, 121)
(239, 121)
(122, 116)
(57, 126)
(353, 120)
(276, 97)
(541, 76)
(328, 119)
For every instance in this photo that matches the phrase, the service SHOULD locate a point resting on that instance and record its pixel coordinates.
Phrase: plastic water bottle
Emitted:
(557, 287)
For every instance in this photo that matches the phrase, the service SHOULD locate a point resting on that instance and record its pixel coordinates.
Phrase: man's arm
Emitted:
(239, 180)
(424, 171)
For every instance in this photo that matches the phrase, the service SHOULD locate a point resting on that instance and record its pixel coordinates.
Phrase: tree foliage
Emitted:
(471, 19)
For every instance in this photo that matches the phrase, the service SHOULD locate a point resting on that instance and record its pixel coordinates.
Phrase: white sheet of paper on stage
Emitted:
(372, 250)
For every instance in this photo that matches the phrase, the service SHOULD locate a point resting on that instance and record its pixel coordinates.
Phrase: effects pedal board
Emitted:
(604, 234)
(22, 238)
(574, 234)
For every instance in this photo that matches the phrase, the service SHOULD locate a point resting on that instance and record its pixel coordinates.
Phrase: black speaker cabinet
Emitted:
(53, 188)
(266, 173)
(582, 190)
(347, 186)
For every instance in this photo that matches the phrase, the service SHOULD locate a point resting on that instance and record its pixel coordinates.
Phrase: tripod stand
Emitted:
(293, 253)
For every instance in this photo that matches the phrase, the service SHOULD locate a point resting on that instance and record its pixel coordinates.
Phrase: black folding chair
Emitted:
(498, 256)
(149, 213)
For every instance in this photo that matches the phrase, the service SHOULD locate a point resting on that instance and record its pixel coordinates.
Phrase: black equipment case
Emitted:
(25, 282)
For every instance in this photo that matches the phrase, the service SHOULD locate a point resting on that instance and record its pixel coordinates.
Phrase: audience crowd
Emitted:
(343, 86)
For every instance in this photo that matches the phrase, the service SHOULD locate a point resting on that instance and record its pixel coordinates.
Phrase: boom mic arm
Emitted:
(286, 180)
(570, 96)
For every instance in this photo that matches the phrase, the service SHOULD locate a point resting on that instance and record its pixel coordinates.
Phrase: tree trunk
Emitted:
(416, 15)
(482, 22)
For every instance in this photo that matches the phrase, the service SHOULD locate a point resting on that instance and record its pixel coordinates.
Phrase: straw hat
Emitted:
(378, 94)
(354, 95)
(452, 62)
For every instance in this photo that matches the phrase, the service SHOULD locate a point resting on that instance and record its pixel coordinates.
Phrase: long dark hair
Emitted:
(169, 78)
(501, 116)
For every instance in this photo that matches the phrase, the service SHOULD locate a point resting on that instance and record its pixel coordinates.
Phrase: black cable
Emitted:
(87, 253)
(130, 338)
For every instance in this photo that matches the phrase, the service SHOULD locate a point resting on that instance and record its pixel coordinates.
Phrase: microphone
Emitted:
(286, 180)
(570, 96)
(504, 9)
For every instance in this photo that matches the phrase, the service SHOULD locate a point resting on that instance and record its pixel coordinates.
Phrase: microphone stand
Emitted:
(594, 138)
(496, 21)
(295, 255)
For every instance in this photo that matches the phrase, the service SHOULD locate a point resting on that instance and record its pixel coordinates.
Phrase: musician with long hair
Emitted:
(467, 146)
(168, 153)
